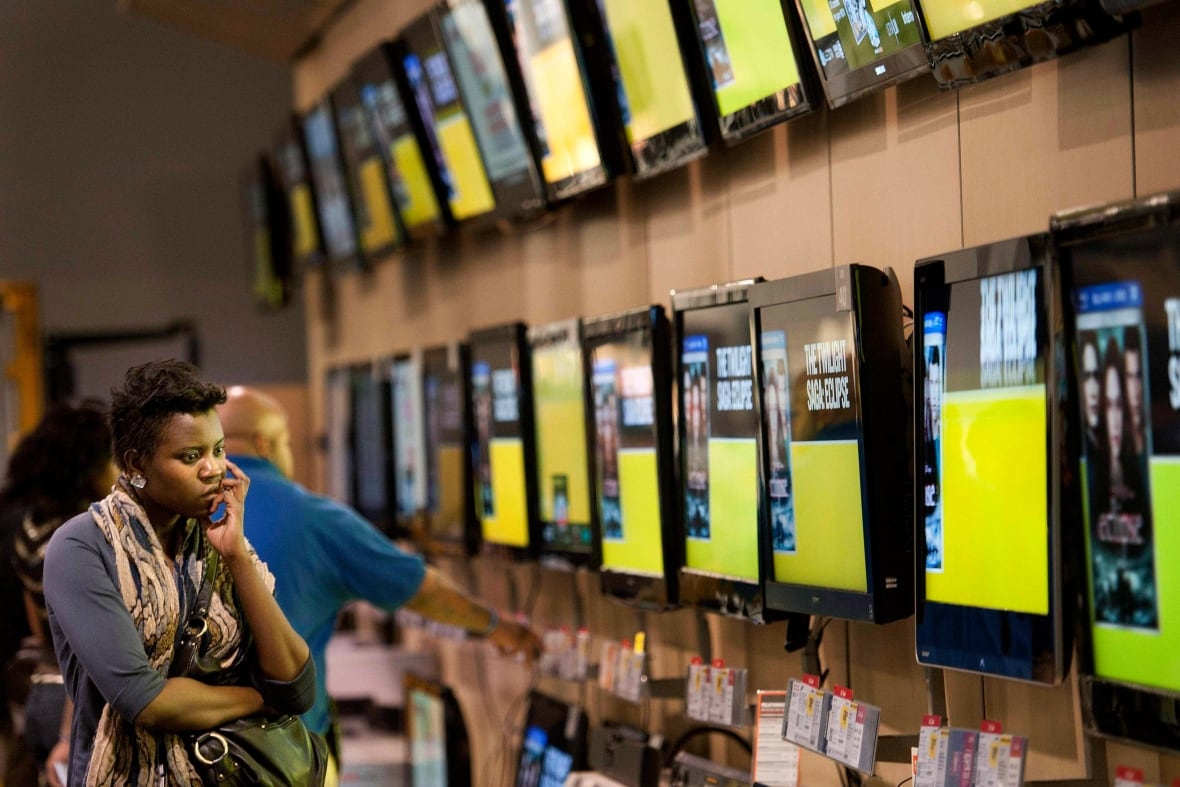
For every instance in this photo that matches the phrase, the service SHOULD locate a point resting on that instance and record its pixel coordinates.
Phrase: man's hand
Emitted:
(59, 755)
(512, 638)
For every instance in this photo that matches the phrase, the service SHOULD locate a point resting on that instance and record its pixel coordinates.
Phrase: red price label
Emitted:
(1127, 773)
(932, 721)
(843, 693)
(994, 727)
(811, 680)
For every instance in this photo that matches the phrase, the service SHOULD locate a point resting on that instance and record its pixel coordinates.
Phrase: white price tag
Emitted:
(991, 758)
(805, 713)
(928, 739)
(839, 723)
(776, 761)
(698, 680)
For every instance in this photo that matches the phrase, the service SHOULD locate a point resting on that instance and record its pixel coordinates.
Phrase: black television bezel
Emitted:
(732, 596)
(781, 106)
(1018, 40)
(898, 67)
(553, 556)
(259, 179)
(383, 518)
(408, 42)
(1052, 634)
(593, 67)
(642, 590)
(290, 135)
(656, 155)
(379, 66)
(338, 378)
(872, 298)
(458, 756)
(1114, 709)
(454, 358)
(541, 704)
(346, 97)
(512, 334)
(357, 259)
(526, 198)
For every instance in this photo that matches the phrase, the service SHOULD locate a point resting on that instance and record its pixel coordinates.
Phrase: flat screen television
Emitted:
(440, 751)
(373, 488)
(503, 452)
(333, 201)
(629, 365)
(409, 436)
(266, 221)
(751, 53)
(859, 46)
(974, 40)
(717, 442)
(430, 80)
(830, 370)
(493, 93)
(1121, 265)
(993, 593)
(578, 151)
(378, 225)
(658, 100)
(290, 156)
(446, 412)
(411, 166)
(338, 433)
(553, 744)
(563, 455)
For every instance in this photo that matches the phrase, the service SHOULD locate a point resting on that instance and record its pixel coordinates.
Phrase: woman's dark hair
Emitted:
(151, 395)
(54, 468)
(1112, 358)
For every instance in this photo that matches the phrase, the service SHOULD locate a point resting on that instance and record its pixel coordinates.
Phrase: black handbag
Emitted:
(262, 750)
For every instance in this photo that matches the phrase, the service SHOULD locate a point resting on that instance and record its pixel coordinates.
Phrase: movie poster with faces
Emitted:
(933, 353)
(776, 411)
(718, 441)
(623, 396)
(1116, 446)
(408, 436)
(499, 445)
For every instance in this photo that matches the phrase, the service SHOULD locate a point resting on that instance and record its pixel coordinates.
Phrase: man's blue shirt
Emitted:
(323, 555)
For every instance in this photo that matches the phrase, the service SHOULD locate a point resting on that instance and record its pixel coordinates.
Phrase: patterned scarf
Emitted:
(158, 597)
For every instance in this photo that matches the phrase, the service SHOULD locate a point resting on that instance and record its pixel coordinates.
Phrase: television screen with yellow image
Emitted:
(988, 491)
(503, 445)
(563, 470)
(446, 414)
(410, 167)
(290, 158)
(829, 355)
(629, 364)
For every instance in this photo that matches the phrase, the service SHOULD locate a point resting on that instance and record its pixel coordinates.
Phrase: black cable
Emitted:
(704, 729)
(903, 781)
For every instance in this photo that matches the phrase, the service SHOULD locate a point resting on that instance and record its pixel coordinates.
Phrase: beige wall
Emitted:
(896, 176)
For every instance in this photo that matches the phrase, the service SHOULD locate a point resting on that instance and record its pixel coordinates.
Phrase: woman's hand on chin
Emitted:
(227, 535)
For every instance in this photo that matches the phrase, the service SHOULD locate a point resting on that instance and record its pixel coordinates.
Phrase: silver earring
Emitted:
(138, 481)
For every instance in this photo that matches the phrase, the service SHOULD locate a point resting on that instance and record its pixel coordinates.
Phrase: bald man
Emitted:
(323, 554)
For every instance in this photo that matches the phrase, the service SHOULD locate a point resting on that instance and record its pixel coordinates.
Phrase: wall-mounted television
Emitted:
(440, 751)
(1121, 265)
(859, 46)
(373, 488)
(831, 370)
(338, 433)
(446, 412)
(629, 365)
(751, 51)
(410, 160)
(993, 593)
(409, 436)
(493, 93)
(563, 456)
(378, 225)
(430, 81)
(332, 198)
(578, 148)
(974, 40)
(657, 97)
(503, 451)
(553, 744)
(290, 157)
(717, 442)
(266, 221)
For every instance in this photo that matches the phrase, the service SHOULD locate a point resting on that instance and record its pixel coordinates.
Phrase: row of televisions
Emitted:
(492, 110)
(1011, 472)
